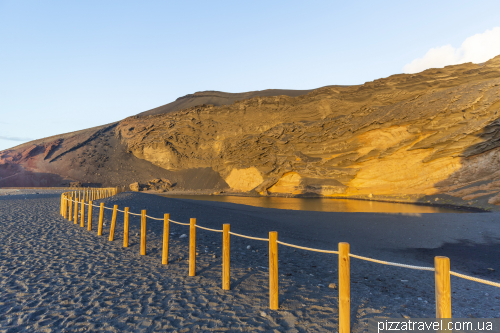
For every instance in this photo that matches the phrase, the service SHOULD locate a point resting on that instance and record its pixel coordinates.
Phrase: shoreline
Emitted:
(438, 205)
(477, 206)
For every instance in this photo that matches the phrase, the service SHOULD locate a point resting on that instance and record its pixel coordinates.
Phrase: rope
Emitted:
(199, 226)
(392, 263)
(494, 284)
(135, 214)
(307, 248)
(154, 218)
(256, 238)
(179, 222)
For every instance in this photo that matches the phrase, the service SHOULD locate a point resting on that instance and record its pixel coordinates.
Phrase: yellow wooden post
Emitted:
(273, 271)
(71, 207)
(101, 216)
(226, 258)
(89, 223)
(82, 213)
(79, 195)
(344, 289)
(166, 230)
(143, 232)
(443, 287)
(192, 247)
(76, 212)
(63, 207)
(66, 202)
(125, 227)
(113, 223)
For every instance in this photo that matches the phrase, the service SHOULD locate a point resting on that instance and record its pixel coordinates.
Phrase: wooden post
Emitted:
(63, 206)
(192, 247)
(143, 232)
(125, 227)
(344, 289)
(66, 202)
(89, 223)
(226, 258)
(79, 195)
(443, 287)
(101, 216)
(113, 223)
(273, 271)
(166, 230)
(76, 211)
(71, 207)
(82, 213)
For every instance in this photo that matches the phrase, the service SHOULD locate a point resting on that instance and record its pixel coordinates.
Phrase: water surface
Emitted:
(322, 204)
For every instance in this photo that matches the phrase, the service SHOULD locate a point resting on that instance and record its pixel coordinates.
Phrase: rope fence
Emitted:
(249, 237)
(421, 268)
(69, 209)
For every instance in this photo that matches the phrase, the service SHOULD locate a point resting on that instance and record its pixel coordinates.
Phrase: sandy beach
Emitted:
(58, 277)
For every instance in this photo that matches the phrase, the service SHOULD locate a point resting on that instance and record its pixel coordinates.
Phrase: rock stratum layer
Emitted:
(409, 137)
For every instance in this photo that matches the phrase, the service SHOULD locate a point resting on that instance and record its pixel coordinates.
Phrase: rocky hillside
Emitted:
(427, 136)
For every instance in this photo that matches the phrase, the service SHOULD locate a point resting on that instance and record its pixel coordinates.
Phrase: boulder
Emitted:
(135, 187)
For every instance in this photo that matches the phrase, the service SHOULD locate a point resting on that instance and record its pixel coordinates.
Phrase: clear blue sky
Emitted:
(70, 65)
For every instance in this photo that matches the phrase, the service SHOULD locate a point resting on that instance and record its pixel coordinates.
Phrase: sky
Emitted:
(71, 65)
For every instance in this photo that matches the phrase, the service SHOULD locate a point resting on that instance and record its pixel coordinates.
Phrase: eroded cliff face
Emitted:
(407, 136)
(419, 134)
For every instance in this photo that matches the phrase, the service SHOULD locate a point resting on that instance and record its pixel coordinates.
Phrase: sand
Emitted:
(57, 276)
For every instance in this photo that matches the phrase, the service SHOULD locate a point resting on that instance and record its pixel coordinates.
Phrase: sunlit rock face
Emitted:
(407, 136)
(419, 134)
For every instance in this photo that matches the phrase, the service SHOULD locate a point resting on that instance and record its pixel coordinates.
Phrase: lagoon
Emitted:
(323, 204)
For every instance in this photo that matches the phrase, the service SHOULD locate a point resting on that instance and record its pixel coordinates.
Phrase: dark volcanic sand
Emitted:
(57, 276)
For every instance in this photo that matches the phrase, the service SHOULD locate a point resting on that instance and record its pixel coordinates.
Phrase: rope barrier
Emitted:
(307, 248)
(422, 268)
(134, 214)
(256, 238)
(392, 263)
(179, 222)
(199, 226)
(491, 283)
(154, 218)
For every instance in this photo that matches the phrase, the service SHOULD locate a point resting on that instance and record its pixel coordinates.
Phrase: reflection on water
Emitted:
(321, 204)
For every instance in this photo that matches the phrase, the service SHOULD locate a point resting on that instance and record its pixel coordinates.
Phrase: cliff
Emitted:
(431, 135)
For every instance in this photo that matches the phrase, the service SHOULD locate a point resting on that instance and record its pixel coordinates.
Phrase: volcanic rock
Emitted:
(405, 137)
(135, 187)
